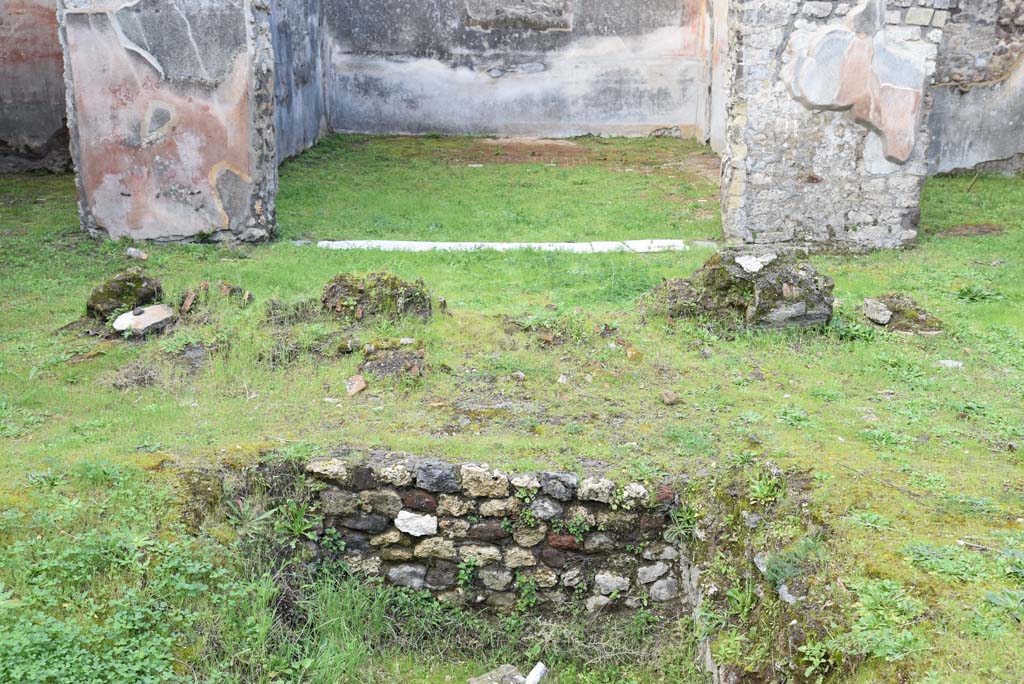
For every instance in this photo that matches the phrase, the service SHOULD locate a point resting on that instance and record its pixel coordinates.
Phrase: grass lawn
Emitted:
(916, 470)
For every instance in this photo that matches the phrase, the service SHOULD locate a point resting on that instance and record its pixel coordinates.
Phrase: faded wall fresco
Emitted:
(516, 67)
(32, 130)
(165, 110)
(826, 121)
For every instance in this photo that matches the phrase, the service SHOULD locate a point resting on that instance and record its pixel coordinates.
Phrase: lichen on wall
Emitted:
(170, 118)
(32, 130)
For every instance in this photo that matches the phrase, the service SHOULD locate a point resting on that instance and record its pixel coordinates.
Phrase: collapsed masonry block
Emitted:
(171, 117)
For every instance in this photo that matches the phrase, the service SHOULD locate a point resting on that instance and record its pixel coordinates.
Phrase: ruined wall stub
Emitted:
(32, 130)
(516, 67)
(171, 110)
(826, 119)
(978, 115)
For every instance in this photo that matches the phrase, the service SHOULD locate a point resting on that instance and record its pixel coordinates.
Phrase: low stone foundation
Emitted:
(474, 534)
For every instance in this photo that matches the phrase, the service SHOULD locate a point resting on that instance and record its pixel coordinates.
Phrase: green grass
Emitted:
(465, 189)
(906, 458)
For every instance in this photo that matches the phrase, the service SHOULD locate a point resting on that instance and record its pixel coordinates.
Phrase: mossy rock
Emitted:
(125, 291)
(757, 290)
(378, 294)
(907, 316)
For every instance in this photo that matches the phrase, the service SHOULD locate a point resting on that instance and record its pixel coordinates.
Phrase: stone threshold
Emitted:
(634, 246)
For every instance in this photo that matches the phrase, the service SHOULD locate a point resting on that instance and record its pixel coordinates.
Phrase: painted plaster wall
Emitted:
(516, 67)
(171, 109)
(826, 147)
(301, 113)
(32, 130)
(978, 116)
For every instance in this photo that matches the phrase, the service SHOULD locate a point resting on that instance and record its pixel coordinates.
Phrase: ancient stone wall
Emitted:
(300, 118)
(32, 130)
(826, 143)
(978, 114)
(517, 67)
(474, 534)
(171, 109)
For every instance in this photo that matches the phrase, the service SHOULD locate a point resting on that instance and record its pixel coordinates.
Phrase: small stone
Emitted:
(525, 481)
(785, 596)
(127, 290)
(495, 578)
(133, 253)
(546, 509)
(435, 476)
(529, 536)
(415, 524)
(338, 502)
(597, 489)
(499, 508)
(436, 547)
(573, 578)
(664, 495)
(394, 474)
(442, 575)
(506, 674)
(664, 590)
(670, 398)
(598, 542)
(502, 602)
(566, 542)
(363, 478)
(635, 495)
(480, 480)
(412, 576)
(596, 603)
(333, 470)
(384, 501)
(455, 506)
(396, 553)
(454, 528)
(489, 530)
(751, 520)
(650, 573)
(660, 552)
(386, 538)
(877, 312)
(145, 321)
(419, 500)
(545, 577)
(950, 364)
(516, 557)
(552, 557)
(561, 486)
(373, 523)
(355, 385)
(484, 554)
(608, 583)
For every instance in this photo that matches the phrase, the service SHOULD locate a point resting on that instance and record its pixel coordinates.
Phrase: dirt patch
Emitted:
(971, 229)
(136, 375)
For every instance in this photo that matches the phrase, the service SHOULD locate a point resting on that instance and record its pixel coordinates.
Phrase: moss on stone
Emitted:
(123, 292)
(378, 294)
